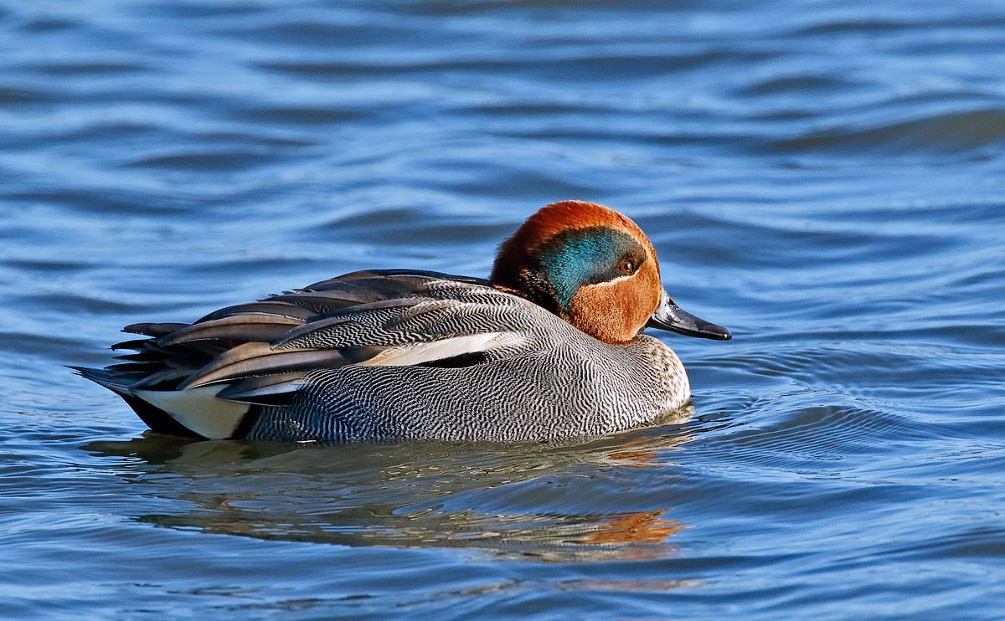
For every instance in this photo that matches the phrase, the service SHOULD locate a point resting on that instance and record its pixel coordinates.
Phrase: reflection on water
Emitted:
(422, 494)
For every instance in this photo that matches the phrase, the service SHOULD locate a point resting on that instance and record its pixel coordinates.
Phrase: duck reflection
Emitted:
(555, 502)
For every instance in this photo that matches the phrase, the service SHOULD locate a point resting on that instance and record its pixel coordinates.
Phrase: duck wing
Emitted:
(260, 352)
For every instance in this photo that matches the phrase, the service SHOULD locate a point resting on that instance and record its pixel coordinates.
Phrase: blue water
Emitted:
(826, 179)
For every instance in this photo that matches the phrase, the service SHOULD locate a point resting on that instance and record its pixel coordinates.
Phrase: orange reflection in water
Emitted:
(636, 527)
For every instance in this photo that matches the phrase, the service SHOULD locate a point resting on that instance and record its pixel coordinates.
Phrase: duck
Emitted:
(549, 347)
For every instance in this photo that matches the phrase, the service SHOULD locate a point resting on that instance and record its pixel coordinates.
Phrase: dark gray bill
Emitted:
(669, 316)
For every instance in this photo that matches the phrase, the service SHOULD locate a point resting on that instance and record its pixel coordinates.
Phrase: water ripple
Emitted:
(954, 132)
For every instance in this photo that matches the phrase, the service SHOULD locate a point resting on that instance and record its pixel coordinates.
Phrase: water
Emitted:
(825, 179)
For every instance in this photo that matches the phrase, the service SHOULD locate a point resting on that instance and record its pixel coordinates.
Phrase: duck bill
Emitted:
(669, 316)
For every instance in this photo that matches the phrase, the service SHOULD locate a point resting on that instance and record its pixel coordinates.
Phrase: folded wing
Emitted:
(260, 352)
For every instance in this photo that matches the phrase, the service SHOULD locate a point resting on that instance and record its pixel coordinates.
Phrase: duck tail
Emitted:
(103, 377)
(157, 419)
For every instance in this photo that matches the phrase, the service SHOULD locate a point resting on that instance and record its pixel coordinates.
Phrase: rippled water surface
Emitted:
(825, 179)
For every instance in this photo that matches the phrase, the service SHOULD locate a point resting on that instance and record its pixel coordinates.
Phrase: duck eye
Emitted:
(627, 266)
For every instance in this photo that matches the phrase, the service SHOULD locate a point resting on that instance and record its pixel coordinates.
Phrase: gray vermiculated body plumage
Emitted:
(545, 380)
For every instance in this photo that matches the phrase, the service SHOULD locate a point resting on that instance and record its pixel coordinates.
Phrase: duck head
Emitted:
(595, 268)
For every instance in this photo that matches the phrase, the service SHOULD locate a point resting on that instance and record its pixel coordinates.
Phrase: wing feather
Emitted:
(276, 389)
(253, 359)
(262, 350)
(153, 329)
(248, 327)
(270, 306)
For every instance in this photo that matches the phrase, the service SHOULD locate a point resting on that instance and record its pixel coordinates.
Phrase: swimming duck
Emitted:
(551, 346)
